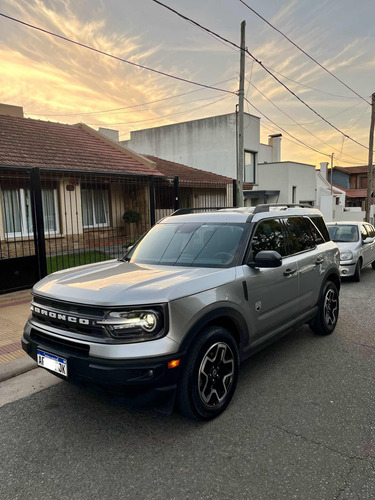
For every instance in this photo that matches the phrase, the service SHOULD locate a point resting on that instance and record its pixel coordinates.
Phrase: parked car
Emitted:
(356, 242)
(197, 295)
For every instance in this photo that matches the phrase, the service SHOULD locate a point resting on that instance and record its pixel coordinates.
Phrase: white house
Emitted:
(209, 144)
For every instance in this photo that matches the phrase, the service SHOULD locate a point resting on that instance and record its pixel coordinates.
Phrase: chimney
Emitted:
(110, 133)
(275, 142)
(323, 169)
(9, 110)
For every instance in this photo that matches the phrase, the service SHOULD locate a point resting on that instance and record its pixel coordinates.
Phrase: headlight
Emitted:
(134, 325)
(346, 255)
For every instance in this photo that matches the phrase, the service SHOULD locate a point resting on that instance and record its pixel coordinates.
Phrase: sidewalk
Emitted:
(14, 311)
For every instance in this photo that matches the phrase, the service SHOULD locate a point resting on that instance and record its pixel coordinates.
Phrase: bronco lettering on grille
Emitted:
(60, 316)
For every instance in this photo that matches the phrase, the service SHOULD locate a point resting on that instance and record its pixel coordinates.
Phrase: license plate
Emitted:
(52, 362)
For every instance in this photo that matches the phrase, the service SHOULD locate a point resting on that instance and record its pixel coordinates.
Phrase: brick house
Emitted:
(94, 192)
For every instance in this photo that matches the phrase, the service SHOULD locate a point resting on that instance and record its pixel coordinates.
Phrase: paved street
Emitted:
(301, 426)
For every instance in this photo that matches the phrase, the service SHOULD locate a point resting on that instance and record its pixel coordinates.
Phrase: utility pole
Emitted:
(370, 187)
(241, 95)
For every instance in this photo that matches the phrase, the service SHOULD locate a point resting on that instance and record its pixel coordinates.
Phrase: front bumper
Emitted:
(143, 379)
(347, 268)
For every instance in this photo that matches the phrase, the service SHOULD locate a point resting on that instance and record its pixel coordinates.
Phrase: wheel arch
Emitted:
(335, 278)
(225, 317)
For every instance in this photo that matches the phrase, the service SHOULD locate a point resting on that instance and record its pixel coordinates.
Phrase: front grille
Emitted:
(76, 310)
(60, 344)
(69, 307)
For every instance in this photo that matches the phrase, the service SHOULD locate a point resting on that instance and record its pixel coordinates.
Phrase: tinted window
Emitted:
(203, 245)
(318, 237)
(268, 236)
(300, 238)
(342, 233)
(321, 225)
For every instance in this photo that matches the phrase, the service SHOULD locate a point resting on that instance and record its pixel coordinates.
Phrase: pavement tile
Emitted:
(14, 311)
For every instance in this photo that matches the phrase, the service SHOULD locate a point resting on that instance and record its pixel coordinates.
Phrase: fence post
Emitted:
(176, 193)
(234, 192)
(152, 202)
(38, 222)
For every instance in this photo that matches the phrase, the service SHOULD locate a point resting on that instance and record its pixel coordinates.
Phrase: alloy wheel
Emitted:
(215, 374)
(330, 308)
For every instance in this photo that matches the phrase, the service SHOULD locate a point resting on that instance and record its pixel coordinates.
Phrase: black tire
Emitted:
(373, 264)
(210, 375)
(326, 319)
(357, 272)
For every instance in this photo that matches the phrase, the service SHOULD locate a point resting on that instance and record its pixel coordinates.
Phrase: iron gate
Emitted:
(52, 220)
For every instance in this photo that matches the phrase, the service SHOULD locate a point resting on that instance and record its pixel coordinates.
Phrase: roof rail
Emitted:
(282, 206)
(183, 211)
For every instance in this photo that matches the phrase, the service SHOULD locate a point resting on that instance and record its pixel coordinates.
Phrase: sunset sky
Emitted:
(58, 81)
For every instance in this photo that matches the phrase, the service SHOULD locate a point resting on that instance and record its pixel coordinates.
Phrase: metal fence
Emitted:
(52, 220)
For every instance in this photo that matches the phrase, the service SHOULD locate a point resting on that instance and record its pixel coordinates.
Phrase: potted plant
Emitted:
(131, 217)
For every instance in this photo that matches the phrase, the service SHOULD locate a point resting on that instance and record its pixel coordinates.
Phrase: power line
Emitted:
(115, 57)
(301, 144)
(164, 117)
(264, 67)
(285, 131)
(332, 116)
(303, 51)
(313, 88)
(129, 107)
(299, 124)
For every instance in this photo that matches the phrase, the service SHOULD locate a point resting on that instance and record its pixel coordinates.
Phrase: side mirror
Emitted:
(267, 258)
(367, 240)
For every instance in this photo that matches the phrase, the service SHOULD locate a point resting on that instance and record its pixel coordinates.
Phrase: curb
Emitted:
(17, 367)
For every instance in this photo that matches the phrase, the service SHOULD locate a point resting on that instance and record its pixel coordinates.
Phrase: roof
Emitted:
(353, 170)
(187, 174)
(25, 142)
(355, 193)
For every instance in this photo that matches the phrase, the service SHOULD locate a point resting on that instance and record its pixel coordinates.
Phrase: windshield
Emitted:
(347, 233)
(200, 245)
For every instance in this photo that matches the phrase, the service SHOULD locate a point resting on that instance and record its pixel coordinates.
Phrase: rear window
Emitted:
(321, 226)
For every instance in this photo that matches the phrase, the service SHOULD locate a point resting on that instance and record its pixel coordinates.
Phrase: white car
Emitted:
(356, 242)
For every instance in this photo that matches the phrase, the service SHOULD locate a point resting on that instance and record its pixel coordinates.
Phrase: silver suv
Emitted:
(197, 295)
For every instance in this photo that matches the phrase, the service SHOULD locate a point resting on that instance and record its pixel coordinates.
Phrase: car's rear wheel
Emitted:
(326, 320)
(373, 264)
(357, 272)
(210, 374)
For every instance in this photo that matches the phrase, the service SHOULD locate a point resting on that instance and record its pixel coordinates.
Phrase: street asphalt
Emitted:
(301, 426)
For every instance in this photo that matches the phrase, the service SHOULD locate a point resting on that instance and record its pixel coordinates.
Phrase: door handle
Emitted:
(289, 272)
(319, 260)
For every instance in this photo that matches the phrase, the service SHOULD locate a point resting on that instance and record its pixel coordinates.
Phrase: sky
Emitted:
(55, 80)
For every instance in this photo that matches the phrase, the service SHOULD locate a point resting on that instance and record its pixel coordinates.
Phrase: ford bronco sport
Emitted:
(197, 295)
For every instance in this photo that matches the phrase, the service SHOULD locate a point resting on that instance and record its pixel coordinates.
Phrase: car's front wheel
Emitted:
(326, 319)
(357, 272)
(210, 374)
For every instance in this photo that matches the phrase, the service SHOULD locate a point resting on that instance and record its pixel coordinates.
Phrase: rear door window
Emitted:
(300, 238)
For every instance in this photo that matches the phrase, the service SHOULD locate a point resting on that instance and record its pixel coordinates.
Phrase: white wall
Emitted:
(208, 144)
(283, 176)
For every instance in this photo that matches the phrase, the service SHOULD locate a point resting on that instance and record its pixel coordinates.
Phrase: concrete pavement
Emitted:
(14, 311)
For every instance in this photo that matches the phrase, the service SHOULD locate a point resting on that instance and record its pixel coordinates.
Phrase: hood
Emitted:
(118, 283)
(343, 245)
